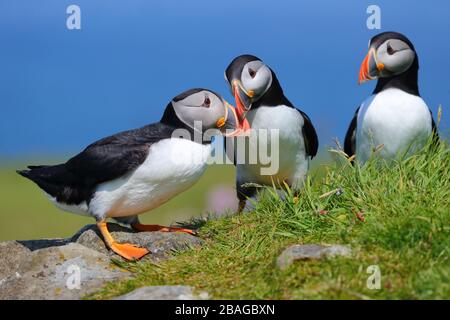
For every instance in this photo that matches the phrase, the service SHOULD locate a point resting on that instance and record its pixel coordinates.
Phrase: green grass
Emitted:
(394, 215)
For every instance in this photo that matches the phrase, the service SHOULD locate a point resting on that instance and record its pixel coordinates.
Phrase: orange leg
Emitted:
(155, 227)
(125, 250)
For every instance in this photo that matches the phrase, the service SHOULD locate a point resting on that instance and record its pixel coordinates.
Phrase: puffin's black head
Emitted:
(200, 110)
(390, 55)
(249, 79)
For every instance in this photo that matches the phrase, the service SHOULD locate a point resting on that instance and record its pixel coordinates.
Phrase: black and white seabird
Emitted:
(394, 120)
(134, 171)
(261, 104)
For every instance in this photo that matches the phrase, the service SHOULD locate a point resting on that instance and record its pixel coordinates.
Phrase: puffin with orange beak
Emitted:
(134, 171)
(263, 110)
(394, 121)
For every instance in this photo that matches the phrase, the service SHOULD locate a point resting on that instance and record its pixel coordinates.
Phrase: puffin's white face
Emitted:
(256, 79)
(204, 108)
(392, 57)
(396, 56)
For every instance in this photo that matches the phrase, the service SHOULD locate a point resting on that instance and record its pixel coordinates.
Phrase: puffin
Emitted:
(134, 171)
(262, 108)
(394, 120)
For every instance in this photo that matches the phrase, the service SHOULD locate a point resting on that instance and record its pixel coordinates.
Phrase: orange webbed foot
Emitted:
(125, 250)
(128, 251)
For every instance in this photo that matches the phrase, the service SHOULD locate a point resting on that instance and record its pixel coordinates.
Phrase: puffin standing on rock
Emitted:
(262, 107)
(394, 119)
(134, 171)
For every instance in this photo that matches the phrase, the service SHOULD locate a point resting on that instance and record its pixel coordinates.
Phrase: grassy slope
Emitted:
(406, 232)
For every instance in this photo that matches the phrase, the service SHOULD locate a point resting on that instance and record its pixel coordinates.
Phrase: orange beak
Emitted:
(241, 110)
(230, 125)
(370, 68)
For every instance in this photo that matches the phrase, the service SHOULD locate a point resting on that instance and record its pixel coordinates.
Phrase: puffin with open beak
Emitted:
(394, 120)
(134, 171)
(262, 108)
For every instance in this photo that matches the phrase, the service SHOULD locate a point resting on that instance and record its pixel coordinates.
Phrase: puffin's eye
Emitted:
(207, 102)
(390, 50)
(251, 72)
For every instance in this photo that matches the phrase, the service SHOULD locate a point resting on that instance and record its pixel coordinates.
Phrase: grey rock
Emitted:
(160, 244)
(164, 293)
(62, 272)
(309, 252)
(11, 255)
(43, 243)
(40, 269)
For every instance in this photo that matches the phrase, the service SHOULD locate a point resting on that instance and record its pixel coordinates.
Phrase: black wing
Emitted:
(309, 136)
(350, 137)
(116, 155)
(104, 160)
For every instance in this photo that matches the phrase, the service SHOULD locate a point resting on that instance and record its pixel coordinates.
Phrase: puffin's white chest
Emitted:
(172, 166)
(398, 120)
(287, 153)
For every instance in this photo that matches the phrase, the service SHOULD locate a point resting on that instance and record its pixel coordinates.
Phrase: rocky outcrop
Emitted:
(160, 244)
(74, 267)
(63, 272)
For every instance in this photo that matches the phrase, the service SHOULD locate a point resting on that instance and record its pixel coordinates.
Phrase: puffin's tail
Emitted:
(48, 178)
(24, 173)
(27, 172)
(58, 182)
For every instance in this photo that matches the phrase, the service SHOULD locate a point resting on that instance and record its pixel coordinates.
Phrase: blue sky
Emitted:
(61, 89)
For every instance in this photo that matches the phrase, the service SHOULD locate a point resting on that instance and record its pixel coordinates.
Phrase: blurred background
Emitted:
(62, 89)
